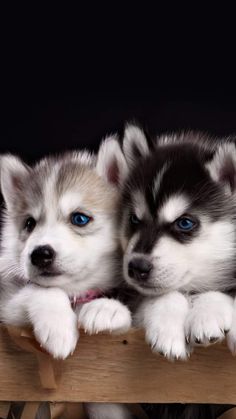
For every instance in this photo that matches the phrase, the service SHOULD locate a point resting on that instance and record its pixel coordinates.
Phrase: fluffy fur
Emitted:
(108, 411)
(180, 274)
(85, 258)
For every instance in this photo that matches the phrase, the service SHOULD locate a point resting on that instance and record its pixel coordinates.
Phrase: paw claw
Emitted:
(210, 318)
(187, 339)
(213, 339)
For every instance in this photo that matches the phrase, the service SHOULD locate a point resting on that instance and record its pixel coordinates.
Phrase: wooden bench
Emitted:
(108, 368)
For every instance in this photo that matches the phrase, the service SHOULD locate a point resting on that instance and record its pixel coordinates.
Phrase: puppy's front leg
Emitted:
(49, 312)
(163, 321)
(209, 318)
(104, 314)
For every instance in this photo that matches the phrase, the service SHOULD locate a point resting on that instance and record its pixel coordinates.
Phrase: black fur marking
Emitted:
(185, 175)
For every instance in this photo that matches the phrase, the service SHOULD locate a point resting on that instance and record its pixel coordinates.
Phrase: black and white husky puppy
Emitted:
(60, 249)
(178, 233)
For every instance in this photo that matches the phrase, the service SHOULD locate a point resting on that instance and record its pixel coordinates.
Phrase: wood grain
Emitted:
(120, 369)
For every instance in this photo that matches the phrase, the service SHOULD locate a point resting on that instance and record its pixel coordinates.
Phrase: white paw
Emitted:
(167, 339)
(49, 312)
(209, 319)
(104, 314)
(58, 335)
(163, 320)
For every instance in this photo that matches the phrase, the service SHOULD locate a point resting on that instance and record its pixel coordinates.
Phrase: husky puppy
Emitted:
(59, 246)
(60, 250)
(178, 236)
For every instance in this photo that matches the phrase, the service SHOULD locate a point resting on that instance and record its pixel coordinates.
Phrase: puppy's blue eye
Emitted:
(134, 219)
(185, 224)
(79, 219)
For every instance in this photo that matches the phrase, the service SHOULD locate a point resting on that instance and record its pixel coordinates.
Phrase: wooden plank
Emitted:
(120, 369)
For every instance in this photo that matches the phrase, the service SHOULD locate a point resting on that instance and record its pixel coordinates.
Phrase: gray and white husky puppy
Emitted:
(178, 218)
(60, 249)
(59, 245)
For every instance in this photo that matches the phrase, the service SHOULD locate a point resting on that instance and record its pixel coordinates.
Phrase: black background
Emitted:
(68, 79)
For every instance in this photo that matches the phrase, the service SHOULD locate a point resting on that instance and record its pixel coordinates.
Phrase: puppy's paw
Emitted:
(58, 335)
(163, 319)
(167, 340)
(104, 314)
(209, 319)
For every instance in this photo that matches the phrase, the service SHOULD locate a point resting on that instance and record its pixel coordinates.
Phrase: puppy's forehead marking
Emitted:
(140, 205)
(174, 207)
(80, 187)
(159, 178)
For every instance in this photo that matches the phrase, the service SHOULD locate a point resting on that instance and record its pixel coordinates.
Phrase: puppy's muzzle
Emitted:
(139, 269)
(42, 257)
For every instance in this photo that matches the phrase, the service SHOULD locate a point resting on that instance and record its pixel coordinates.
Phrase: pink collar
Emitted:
(85, 297)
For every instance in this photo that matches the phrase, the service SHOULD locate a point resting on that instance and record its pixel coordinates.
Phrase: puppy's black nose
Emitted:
(42, 256)
(139, 269)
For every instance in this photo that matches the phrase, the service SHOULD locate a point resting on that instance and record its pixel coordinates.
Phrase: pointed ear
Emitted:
(12, 175)
(111, 164)
(135, 144)
(222, 167)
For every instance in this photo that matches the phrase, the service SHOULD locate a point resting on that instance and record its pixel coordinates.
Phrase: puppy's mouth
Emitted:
(147, 290)
(49, 274)
(144, 287)
(147, 287)
(152, 287)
